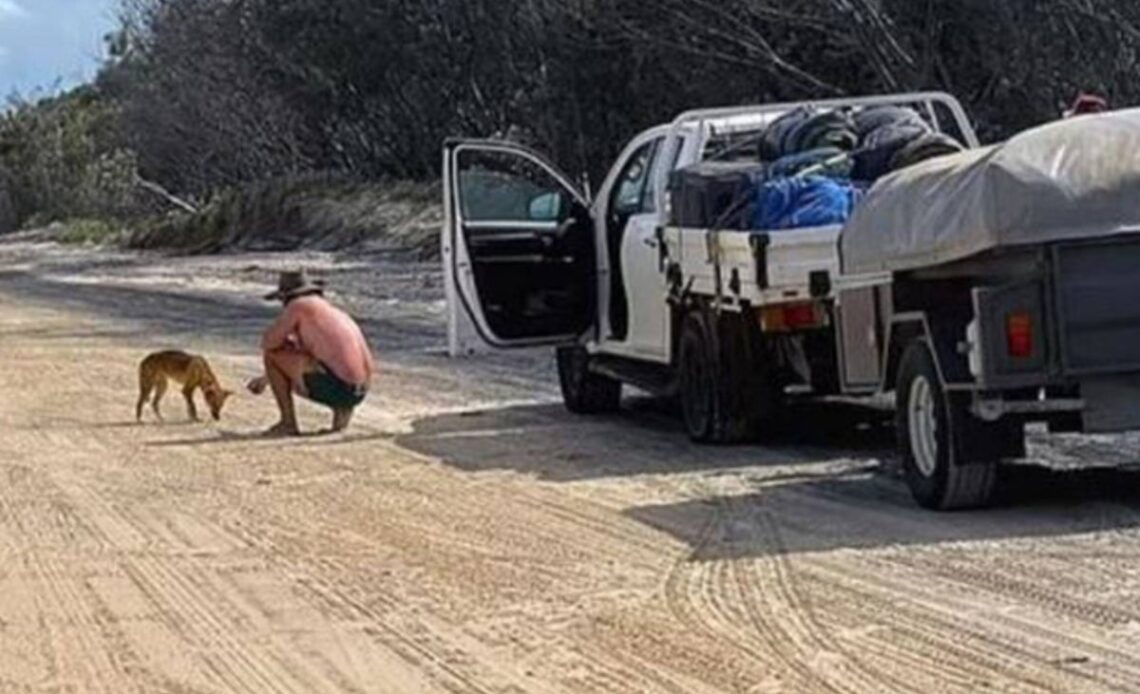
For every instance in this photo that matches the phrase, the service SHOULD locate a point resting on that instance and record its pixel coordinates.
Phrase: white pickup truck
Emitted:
(732, 321)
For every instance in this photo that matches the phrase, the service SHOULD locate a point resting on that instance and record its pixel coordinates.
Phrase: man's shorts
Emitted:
(326, 388)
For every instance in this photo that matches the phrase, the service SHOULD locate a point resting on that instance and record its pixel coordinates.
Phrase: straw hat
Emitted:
(297, 283)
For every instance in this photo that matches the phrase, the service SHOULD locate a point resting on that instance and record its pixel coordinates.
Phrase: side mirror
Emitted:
(546, 208)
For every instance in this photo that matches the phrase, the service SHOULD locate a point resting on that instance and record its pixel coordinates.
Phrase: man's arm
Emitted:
(280, 335)
(371, 359)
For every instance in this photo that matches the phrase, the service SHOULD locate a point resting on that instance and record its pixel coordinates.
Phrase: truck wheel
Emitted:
(724, 394)
(930, 426)
(584, 392)
(697, 381)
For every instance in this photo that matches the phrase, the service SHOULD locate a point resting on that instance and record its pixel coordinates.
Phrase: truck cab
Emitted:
(534, 261)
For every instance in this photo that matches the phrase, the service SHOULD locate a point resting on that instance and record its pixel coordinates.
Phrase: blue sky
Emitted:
(45, 41)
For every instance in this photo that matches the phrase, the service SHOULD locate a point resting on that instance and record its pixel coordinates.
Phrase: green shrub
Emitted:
(87, 232)
(316, 212)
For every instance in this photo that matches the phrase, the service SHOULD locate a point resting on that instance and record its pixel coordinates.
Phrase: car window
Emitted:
(505, 187)
(649, 198)
(630, 190)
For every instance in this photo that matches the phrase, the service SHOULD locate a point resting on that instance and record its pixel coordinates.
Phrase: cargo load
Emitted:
(1072, 179)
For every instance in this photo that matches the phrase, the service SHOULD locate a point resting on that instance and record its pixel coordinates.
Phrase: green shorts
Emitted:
(326, 388)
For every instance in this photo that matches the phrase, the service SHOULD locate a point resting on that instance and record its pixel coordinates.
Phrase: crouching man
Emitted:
(316, 351)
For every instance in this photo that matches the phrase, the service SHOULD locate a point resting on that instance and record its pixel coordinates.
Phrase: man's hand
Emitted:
(258, 385)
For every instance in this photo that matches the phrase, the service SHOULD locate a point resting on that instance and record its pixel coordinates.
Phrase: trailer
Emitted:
(996, 288)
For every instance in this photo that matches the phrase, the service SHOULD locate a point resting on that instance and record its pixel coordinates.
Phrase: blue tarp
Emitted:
(792, 203)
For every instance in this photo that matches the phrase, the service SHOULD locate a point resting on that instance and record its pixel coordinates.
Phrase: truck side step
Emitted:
(656, 379)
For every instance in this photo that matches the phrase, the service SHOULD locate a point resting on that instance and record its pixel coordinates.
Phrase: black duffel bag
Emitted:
(713, 194)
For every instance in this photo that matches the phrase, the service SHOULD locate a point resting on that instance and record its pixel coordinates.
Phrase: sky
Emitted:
(46, 45)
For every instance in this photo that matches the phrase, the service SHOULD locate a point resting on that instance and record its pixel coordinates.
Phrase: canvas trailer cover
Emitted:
(1069, 180)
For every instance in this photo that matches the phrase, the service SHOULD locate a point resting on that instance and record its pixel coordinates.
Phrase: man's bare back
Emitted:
(326, 333)
(316, 351)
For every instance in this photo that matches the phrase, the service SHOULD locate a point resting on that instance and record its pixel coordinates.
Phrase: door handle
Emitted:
(565, 227)
(650, 242)
(662, 248)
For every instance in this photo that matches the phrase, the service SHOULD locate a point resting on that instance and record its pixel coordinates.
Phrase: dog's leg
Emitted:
(144, 395)
(159, 392)
(188, 393)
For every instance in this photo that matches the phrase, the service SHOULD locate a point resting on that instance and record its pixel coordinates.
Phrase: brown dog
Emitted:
(190, 371)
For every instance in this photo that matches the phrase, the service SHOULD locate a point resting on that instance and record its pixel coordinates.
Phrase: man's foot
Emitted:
(341, 420)
(282, 430)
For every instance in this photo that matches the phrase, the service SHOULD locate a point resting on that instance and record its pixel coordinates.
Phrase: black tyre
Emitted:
(726, 395)
(584, 392)
(697, 381)
(932, 431)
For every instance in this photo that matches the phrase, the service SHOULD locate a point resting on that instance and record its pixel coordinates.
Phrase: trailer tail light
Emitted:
(789, 318)
(1019, 335)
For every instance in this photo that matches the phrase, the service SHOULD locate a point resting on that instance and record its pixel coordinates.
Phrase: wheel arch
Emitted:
(941, 335)
(742, 398)
(904, 329)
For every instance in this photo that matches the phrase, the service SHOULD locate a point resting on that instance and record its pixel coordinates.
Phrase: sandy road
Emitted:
(468, 536)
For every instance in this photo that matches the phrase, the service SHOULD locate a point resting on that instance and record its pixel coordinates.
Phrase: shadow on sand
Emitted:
(644, 438)
(827, 482)
(859, 510)
(324, 438)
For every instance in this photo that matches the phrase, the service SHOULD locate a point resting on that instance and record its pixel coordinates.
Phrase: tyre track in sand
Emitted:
(546, 519)
(576, 525)
(334, 587)
(769, 589)
(701, 594)
(947, 644)
(424, 649)
(72, 634)
(947, 575)
(447, 649)
(984, 642)
(189, 607)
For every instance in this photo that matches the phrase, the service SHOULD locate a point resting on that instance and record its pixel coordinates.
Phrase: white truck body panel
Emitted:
(789, 258)
(647, 336)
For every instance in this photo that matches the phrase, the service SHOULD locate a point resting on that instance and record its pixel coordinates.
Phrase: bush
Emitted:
(202, 96)
(87, 232)
(61, 159)
(322, 212)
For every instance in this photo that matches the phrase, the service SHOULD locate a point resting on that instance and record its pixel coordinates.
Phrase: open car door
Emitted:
(519, 241)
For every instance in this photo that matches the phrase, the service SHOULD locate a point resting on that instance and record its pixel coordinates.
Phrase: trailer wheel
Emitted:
(725, 394)
(584, 392)
(928, 422)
